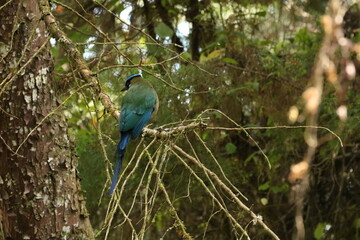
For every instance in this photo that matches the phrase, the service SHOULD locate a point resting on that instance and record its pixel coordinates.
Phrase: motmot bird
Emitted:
(138, 105)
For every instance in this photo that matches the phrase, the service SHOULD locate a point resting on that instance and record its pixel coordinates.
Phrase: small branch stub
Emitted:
(85, 72)
(49, 19)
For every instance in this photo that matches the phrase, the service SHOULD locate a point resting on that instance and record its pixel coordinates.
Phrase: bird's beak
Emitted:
(124, 89)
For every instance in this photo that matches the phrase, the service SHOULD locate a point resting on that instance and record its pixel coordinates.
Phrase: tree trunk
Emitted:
(40, 194)
(192, 14)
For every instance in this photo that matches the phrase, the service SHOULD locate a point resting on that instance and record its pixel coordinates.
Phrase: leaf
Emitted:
(261, 14)
(215, 54)
(230, 148)
(357, 223)
(163, 30)
(217, 115)
(255, 85)
(264, 186)
(278, 189)
(320, 230)
(252, 85)
(186, 55)
(205, 136)
(250, 157)
(231, 61)
(159, 221)
(155, 50)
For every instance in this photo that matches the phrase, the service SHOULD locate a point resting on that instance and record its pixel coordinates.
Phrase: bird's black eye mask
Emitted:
(128, 81)
(127, 85)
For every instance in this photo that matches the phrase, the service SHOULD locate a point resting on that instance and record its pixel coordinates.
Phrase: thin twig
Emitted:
(228, 190)
(227, 213)
(247, 134)
(4, 5)
(219, 166)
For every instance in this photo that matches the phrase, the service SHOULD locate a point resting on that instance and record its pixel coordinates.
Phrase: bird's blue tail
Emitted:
(120, 151)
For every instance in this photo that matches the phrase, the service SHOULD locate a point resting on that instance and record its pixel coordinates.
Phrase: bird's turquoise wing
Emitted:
(141, 123)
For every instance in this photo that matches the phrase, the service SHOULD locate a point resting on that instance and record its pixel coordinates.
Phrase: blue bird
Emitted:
(138, 105)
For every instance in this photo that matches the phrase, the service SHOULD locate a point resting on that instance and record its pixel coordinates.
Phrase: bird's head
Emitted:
(129, 81)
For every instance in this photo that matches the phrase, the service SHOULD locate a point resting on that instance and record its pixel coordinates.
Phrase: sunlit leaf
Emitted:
(215, 54)
(320, 230)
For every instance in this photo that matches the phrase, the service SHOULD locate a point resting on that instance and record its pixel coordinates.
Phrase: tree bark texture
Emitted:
(40, 194)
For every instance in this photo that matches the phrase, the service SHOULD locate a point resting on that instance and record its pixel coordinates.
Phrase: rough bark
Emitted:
(40, 195)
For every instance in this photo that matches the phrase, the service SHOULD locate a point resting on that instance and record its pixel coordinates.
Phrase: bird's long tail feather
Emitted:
(120, 151)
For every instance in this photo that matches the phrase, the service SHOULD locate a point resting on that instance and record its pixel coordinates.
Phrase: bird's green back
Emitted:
(138, 100)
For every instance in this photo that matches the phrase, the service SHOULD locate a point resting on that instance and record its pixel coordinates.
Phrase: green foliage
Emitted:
(304, 39)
